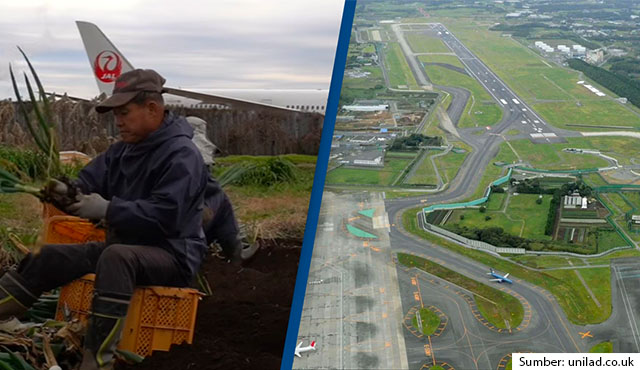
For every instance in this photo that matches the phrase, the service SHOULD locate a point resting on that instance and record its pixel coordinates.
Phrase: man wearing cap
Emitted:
(149, 189)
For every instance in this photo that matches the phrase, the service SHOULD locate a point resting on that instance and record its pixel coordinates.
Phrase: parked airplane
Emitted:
(108, 63)
(499, 278)
(300, 349)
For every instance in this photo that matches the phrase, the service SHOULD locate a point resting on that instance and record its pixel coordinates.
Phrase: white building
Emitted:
(366, 108)
(595, 56)
(572, 201)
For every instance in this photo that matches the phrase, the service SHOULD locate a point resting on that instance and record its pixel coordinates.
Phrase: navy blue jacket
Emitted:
(156, 188)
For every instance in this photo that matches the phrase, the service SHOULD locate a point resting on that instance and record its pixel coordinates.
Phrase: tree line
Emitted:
(620, 85)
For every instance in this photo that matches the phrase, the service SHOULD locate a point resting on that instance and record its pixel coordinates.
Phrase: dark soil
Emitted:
(243, 325)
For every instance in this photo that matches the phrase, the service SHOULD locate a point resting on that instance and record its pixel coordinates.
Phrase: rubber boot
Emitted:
(15, 296)
(104, 331)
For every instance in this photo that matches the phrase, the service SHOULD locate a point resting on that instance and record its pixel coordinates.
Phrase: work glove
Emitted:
(92, 206)
(59, 194)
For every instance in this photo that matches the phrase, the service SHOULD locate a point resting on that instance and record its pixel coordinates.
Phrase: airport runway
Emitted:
(469, 344)
(352, 305)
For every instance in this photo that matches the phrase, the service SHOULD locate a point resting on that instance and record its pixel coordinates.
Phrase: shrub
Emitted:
(482, 209)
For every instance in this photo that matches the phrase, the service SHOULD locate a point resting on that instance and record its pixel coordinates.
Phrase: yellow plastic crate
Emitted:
(157, 318)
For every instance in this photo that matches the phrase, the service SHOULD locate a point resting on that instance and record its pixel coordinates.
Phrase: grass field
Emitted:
(590, 112)
(496, 201)
(385, 176)
(421, 43)
(480, 110)
(547, 261)
(507, 308)
(598, 280)
(594, 179)
(579, 309)
(399, 71)
(522, 217)
(446, 59)
(369, 82)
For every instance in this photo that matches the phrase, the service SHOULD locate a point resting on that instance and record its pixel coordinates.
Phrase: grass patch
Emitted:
(579, 310)
(421, 43)
(580, 294)
(354, 176)
(604, 347)
(404, 194)
(446, 59)
(430, 321)
(496, 201)
(546, 261)
(504, 306)
(425, 174)
(594, 179)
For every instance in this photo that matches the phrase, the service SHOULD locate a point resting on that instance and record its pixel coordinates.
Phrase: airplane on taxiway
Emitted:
(499, 278)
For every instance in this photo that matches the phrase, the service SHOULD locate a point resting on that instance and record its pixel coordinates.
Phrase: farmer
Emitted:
(149, 189)
(219, 221)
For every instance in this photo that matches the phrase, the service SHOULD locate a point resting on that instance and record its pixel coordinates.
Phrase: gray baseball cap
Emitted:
(128, 85)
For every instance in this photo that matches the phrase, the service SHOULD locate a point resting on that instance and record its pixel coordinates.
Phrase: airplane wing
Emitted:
(223, 100)
(107, 63)
(297, 350)
(498, 280)
(506, 276)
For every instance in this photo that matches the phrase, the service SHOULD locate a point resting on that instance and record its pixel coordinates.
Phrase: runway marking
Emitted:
(587, 334)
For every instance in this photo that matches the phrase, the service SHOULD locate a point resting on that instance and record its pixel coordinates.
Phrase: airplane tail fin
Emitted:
(313, 344)
(107, 62)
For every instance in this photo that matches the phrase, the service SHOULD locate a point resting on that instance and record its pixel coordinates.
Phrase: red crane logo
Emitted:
(107, 66)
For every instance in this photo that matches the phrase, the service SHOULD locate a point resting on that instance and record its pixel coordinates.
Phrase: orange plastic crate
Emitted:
(70, 230)
(158, 316)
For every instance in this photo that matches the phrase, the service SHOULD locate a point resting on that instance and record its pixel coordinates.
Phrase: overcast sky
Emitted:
(193, 44)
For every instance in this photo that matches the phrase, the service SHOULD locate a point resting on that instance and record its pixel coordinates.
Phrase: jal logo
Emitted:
(107, 66)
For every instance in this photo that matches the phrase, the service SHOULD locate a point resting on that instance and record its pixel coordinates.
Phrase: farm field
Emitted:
(522, 217)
